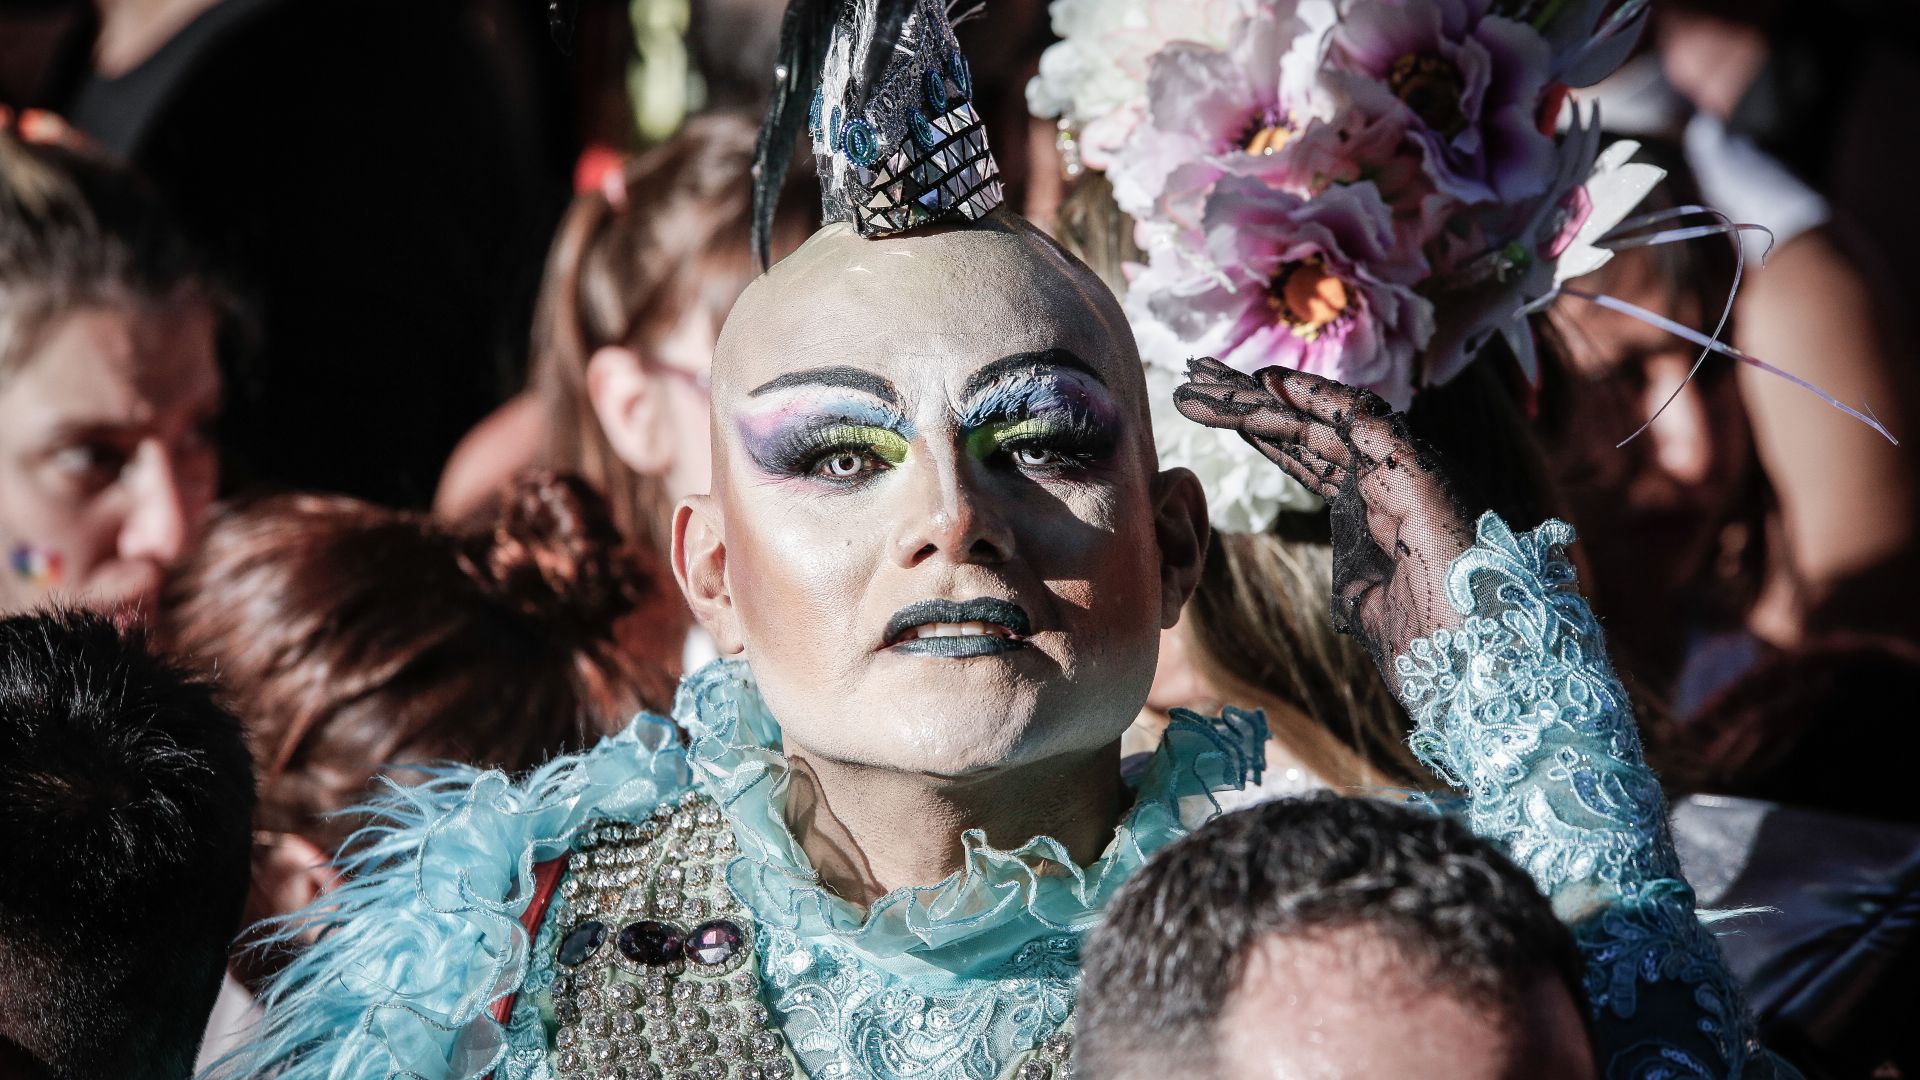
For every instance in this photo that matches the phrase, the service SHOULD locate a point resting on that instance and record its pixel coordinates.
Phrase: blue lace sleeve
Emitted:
(1520, 708)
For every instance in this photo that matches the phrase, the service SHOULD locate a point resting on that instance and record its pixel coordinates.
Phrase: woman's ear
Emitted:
(628, 402)
(1180, 526)
(700, 566)
(290, 872)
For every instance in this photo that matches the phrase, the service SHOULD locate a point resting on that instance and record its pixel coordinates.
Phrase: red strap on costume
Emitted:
(546, 879)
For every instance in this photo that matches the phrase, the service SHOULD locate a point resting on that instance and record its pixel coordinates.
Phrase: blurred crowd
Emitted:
(354, 354)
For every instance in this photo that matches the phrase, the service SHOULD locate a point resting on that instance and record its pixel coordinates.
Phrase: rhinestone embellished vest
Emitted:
(658, 963)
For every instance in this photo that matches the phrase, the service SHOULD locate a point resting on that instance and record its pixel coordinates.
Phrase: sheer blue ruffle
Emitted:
(978, 917)
(960, 980)
(424, 937)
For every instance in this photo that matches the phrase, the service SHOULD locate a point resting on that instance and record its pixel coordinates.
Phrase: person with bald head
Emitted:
(936, 558)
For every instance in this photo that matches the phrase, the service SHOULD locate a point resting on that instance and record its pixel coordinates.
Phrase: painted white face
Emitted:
(106, 470)
(945, 548)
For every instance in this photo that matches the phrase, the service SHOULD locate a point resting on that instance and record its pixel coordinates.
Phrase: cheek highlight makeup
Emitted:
(788, 439)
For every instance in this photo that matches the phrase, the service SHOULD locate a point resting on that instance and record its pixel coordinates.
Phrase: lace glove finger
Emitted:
(1396, 526)
(1260, 418)
(1205, 370)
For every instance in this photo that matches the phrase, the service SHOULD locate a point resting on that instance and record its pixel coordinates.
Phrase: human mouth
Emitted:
(946, 628)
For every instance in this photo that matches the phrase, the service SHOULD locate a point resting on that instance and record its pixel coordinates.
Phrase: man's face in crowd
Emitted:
(106, 470)
(937, 531)
(1347, 1003)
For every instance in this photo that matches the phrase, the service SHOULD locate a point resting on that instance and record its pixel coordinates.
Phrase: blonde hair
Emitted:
(1265, 639)
(675, 238)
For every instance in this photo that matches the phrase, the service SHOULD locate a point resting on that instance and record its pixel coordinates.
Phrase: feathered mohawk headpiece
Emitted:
(885, 97)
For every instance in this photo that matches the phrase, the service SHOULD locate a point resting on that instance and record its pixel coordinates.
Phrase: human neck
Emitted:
(870, 831)
(131, 31)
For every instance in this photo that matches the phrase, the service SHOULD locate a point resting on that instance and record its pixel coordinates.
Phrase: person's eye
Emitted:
(847, 464)
(1039, 457)
(90, 463)
(1047, 453)
(201, 436)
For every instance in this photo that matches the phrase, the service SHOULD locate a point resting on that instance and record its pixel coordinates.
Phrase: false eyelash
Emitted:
(1072, 433)
(797, 453)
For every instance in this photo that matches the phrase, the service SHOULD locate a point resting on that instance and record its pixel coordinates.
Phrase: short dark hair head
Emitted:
(126, 798)
(1175, 943)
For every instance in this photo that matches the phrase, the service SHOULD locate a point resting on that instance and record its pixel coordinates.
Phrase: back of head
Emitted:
(125, 824)
(1177, 942)
(665, 239)
(77, 230)
(351, 637)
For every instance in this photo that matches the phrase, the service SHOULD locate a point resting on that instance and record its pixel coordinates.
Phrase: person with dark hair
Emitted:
(109, 375)
(125, 802)
(386, 214)
(359, 642)
(1292, 938)
(351, 638)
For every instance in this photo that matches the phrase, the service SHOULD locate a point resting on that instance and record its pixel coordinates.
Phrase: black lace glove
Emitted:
(1396, 525)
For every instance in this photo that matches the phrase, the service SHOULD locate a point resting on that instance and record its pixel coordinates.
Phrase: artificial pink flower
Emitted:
(1094, 77)
(1317, 284)
(1236, 108)
(1468, 83)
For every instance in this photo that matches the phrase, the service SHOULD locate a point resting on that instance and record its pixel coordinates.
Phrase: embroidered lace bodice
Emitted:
(969, 978)
(1519, 708)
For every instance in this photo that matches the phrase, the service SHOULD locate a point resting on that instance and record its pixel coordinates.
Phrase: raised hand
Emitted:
(1396, 525)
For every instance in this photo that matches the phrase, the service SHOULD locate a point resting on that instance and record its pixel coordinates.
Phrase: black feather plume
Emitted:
(805, 32)
(889, 30)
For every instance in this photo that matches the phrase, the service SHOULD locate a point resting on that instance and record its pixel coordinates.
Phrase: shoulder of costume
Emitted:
(424, 935)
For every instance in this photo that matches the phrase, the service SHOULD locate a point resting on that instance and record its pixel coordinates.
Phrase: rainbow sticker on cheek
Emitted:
(36, 566)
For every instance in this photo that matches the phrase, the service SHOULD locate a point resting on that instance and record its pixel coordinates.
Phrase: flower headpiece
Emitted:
(887, 101)
(1369, 190)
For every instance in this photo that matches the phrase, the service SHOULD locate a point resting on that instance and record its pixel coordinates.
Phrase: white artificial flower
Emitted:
(1614, 187)
(1245, 491)
(1095, 76)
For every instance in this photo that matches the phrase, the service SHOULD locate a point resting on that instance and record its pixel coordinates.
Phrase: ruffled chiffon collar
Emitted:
(999, 900)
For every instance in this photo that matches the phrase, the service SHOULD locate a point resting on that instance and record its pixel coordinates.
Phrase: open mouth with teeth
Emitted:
(948, 628)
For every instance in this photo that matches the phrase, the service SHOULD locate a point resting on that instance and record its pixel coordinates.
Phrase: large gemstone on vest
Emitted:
(716, 942)
(581, 942)
(651, 943)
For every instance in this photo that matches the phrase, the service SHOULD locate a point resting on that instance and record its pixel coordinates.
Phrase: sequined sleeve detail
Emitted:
(1520, 709)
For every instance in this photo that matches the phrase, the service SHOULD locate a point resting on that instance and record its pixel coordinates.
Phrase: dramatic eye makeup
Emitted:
(1042, 418)
(831, 436)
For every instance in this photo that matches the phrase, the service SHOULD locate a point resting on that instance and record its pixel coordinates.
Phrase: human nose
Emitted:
(1682, 447)
(949, 511)
(160, 517)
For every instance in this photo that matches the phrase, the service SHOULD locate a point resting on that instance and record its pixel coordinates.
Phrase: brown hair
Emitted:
(1260, 618)
(78, 229)
(626, 274)
(349, 637)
